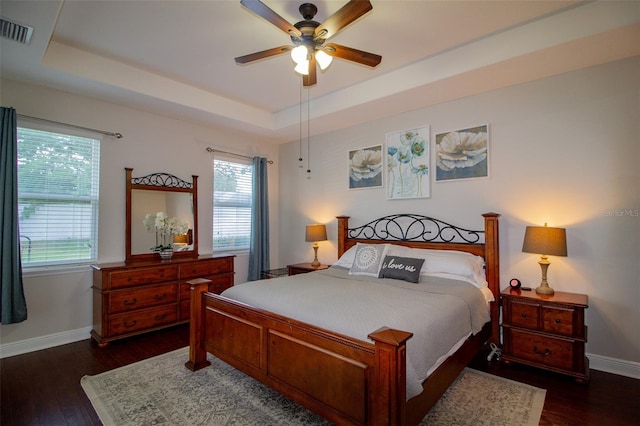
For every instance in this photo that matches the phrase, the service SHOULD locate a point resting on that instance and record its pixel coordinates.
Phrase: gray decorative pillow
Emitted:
(368, 259)
(401, 268)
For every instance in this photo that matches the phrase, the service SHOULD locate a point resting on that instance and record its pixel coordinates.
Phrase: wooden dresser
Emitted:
(137, 297)
(546, 331)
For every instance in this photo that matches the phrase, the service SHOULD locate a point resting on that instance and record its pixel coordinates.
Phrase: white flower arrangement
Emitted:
(165, 228)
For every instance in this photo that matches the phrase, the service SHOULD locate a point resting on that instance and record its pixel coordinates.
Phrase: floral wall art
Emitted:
(408, 164)
(462, 154)
(365, 167)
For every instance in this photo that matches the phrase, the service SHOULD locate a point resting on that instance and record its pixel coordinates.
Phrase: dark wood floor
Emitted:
(43, 388)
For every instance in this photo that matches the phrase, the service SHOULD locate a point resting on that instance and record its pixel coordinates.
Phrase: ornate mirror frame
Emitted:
(160, 182)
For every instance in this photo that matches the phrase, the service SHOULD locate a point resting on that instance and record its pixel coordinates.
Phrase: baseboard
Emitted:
(614, 365)
(44, 342)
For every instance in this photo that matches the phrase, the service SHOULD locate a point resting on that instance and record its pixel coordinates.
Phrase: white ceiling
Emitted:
(176, 57)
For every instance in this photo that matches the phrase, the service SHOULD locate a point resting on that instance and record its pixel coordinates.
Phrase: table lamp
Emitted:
(544, 240)
(315, 233)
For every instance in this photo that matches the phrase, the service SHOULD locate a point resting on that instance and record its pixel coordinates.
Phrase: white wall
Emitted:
(61, 302)
(563, 150)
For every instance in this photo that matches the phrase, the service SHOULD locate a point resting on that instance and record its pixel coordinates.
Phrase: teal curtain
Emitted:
(259, 244)
(13, 307)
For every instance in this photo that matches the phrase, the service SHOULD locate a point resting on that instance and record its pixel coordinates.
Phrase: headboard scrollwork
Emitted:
(413, 227)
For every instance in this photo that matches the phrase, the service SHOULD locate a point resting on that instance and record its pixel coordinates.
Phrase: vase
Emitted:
(166, 254)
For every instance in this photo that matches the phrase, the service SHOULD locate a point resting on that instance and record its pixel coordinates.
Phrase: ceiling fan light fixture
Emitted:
(323, 59)
(300, 54)
(302, 68)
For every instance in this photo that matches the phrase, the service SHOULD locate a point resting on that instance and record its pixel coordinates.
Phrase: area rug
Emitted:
(161, 391)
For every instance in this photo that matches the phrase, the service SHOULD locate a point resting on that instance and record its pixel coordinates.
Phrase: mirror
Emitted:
(160, 192)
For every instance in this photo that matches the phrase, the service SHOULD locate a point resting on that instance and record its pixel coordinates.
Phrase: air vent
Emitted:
(12, 31)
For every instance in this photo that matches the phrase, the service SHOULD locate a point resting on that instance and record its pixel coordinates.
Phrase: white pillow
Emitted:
(346, 260)
(368, 259)
(446, 263)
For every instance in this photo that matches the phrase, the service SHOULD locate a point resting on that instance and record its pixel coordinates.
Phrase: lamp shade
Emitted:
(545, 240)
(316, 232)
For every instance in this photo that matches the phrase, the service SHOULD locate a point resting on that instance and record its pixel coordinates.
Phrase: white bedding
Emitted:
(440, 312)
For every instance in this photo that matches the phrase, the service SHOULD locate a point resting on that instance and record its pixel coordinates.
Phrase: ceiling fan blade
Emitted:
(343, 17)
(268, 14)
(263, 54)
(311, 79)
(351, 54)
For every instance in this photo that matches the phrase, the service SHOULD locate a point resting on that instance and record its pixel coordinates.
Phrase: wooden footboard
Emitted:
(345, 380)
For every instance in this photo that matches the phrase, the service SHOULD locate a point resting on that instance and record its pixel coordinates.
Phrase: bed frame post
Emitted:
(492, 260)
(388, 389)
(343, 228)
(197, 352)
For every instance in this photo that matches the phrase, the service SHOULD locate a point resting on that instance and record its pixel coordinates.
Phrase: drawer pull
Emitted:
(558, 321)
(546, 352)
(160, 317)
(129, 279)
(128, 302)
(160, 296)
(524, 315)
(126, 324)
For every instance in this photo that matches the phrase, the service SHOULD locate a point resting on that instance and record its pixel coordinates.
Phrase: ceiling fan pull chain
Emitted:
(300, 139)
(308, 133)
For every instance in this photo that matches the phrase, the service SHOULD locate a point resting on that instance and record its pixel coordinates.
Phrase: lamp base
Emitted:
(544, 285)
(315, 262)
(544, 289)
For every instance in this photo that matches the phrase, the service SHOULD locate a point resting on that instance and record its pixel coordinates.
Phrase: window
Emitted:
(232, 194)
(58, 179)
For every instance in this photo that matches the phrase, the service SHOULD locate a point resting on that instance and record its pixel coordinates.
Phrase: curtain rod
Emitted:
(212, 150)
(113, 134)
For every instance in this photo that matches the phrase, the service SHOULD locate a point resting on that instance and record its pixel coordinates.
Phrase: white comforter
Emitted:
(440, 312)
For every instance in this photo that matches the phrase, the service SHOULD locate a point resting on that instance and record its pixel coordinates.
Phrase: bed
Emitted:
(336, 372)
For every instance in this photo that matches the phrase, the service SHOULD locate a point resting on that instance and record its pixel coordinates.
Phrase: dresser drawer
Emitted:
(202, 269)
(219, 283)
(523, 315)
(541, 349)
(122, 279)
(142, 319)
(142, 297)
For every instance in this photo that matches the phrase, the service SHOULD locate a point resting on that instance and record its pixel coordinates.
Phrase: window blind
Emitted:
(58, 191)
(232, 198)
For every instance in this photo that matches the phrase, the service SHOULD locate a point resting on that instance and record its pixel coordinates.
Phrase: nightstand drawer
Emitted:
(541, 349)
(523, 315)
(558, 320)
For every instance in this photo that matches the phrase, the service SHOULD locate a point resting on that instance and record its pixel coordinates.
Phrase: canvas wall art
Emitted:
(462, 154)
(365, 167)
(407, 159)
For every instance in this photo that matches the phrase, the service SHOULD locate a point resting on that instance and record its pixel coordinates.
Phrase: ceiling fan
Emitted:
(308, 37)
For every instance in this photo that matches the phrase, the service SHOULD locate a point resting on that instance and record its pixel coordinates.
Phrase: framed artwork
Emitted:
(462, 154)
(408, 164)
(365, 167)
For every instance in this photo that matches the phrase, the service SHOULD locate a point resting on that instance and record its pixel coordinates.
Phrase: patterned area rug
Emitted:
(161, 391)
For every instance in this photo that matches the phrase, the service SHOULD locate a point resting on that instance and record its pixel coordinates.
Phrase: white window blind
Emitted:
(58, 183)
(232, 194)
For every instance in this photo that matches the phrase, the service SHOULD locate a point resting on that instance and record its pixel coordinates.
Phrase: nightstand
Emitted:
(546, 331)
(303, 268)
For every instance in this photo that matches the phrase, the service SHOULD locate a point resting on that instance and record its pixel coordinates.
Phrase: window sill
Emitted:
(39, 271)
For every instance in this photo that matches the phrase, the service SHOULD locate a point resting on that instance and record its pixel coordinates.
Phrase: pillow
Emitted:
(401, 268)
(346, 260)
(368, 259)
(446, 263)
